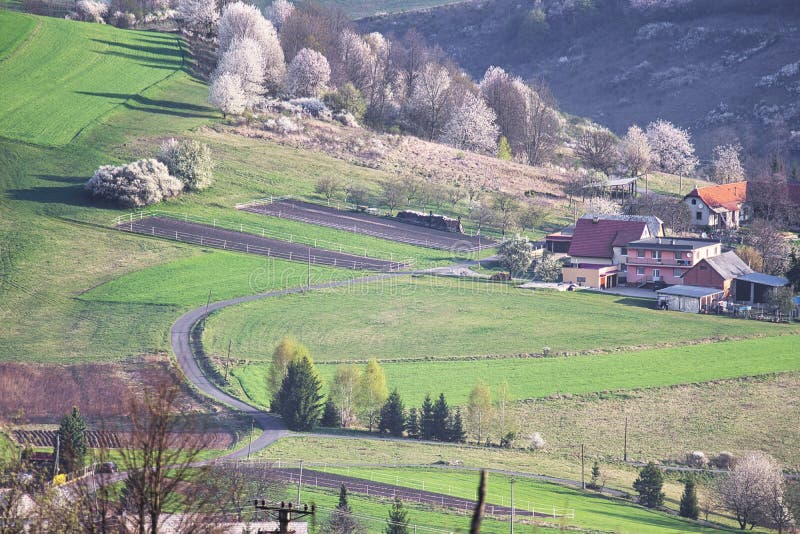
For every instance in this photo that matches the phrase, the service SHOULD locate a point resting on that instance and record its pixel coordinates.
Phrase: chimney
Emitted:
(673, 241)
(595, 219)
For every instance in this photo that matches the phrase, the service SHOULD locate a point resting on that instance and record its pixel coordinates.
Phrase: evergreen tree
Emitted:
(426, 426)
(689, 507)
(649, 485)
(392, 417)
(341, 520)
(72, 442)
(594, 483)
(412, 424)
(456, 431)
(398, 518)
(299, 399)
(330, 415)
(504, 149)
(343, 505)
(441, 418)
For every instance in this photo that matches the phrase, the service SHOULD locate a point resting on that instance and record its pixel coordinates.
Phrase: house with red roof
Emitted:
(719, 206)
(665, 260)
(598, 249)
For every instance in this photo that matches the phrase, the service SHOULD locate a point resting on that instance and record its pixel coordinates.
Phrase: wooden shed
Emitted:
(691, 299)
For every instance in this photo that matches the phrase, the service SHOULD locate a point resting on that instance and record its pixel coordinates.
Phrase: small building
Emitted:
(717, 271)
(691, 299)
(665, 260)
(719, 206)
(559, 242)
(591, 275)
(755, 288)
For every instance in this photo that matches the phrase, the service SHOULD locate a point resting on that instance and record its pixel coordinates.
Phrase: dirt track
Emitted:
(363, 223)
(209, 236)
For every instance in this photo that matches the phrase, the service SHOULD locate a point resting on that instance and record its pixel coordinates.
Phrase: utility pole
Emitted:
(583, 469)
(58, 450)
(250, 443)
(228, 361)
(625, 450)
(208, 302)
(300, 482)
(308, 270)
(285, 514)
(512, 505)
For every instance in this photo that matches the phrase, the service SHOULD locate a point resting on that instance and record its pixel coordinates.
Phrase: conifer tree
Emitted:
(504, 149)
(72, 442)
(426, 424)
(299, 400)
(392, 417)
(330, 415)
(649, 485)
(441, 418)
(398, 518)
(412, 424)
(341, 520)
(595, 475)
(689, 507)
(456, 431)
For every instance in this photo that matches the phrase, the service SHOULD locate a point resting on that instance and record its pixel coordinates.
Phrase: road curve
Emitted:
(180, 338)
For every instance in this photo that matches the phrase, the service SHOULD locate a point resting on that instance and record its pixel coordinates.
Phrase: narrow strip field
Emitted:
(362, 223)
(209, 236)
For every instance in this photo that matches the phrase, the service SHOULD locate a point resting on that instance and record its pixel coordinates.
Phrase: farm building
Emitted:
(666, 260)
(755, 288)
(719, 206)
(691, 299)
(559, 242)
(717, 271)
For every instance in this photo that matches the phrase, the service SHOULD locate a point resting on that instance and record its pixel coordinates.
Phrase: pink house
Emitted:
(664, 260)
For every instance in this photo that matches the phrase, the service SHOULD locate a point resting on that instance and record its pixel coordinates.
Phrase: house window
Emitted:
(702, 267)
(581, 279)
(624, 268)
(640, 270)
(624, 251)
(676, 273)
(698, 215)
(640, 253)
(656, 273)
(694, 201)
(656, 254)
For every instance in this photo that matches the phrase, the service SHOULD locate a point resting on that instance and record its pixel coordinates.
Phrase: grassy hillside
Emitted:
(70, 74)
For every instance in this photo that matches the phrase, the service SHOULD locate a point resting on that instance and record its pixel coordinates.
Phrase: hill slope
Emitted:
(725, 70)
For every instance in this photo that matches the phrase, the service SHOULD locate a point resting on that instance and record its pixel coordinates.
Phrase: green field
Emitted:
(430, 318)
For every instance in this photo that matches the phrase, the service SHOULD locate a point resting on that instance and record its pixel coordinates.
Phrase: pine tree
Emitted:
(441, 417)
(456, 428)
(649, 485)
(426, 425)
(398, 518)
(299, 399)
(341, 520)
(504, 149)
(689, 507)
(412, 424)
(343, 505)
(595, 475)
(72, 442)
(392, 416)
(330, 415)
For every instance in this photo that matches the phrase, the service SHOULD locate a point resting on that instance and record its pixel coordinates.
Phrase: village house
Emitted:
(665, 260)
(717, 272)
(719, 206)
(598, 248)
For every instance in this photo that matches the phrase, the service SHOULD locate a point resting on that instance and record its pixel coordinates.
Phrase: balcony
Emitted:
(669, 262)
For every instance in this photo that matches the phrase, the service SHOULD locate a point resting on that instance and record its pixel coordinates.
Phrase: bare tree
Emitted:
(408, 57)
(771, 245)
(235, 485)
(393, 194)
(481, 214)
(506, 206)
(532, 215)
(429, 102)
(505, 95)
(596, 148)
(541, 126)
(328, 187)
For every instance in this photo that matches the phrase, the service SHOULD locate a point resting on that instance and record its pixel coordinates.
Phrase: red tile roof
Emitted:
(596, 239)
(728, 196)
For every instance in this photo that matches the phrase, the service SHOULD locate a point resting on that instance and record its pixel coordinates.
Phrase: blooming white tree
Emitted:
(634, 151)
(134, 185)
(429, 102)
(378, 87)
(308, 73)
(727, 165)
(189, 161)
(91, 10)
(505, 95)
(354, 60)
(198, 15)
(752, 486)
(278, 12)
(243, 59)
(226, 94)
(541, 126)
(471, 126)
(672, 147)
(240, 21)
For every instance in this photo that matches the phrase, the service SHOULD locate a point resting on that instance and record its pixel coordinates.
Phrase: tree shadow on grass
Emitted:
(173, 52)
(166, 107)
(649, 304)
(171, 63)
(73, 195)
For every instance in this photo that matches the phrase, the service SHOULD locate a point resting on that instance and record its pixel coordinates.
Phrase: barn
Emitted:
(691, 299)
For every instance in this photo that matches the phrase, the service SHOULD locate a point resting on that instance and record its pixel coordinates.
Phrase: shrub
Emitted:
(537, 441)
(724, 460)
(189, 161)
(548, 269)
(134, 185)
(312, 106)
(697, 459)
(91, 10)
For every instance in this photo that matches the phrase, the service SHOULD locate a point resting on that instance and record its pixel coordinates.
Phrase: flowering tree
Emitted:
(243, 59)
(91, 10)
(354, 59)
(541, 126)
(308, 73)
(672, 147)
(278, 12)
(471, 126)
(240, 21)
(378, 87)
(134, 185)
(198, 15)
(505, 95)
(189, 161)
(727, 166)
(428, 103)
(748, 489)
(634, 151)
(226, 94)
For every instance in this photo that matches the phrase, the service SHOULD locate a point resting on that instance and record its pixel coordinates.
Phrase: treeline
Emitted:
(359, 397)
